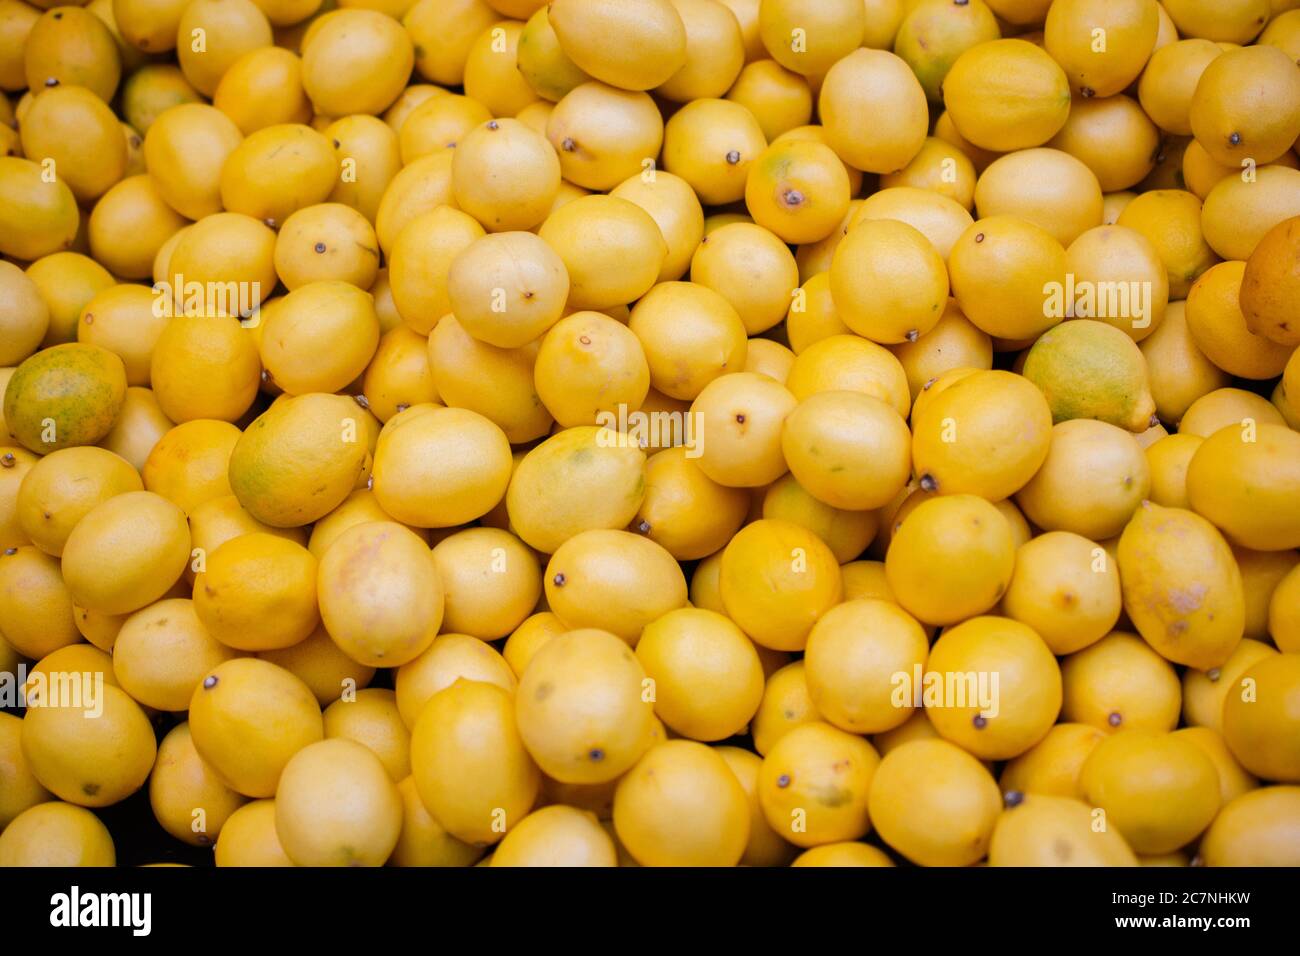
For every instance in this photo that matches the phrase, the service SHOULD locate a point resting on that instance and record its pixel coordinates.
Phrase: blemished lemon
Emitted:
(380, 595)
(814, 785)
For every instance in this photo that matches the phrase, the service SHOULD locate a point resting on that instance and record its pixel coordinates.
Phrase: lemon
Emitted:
(1043, 830)
(1134, 776)
(556, 836)
(614, 581)
(248, 717)
(582, 708)
(336, 806)
(56, 834)
(1120, 683)
(188, 799)
(814, 785)
(707, 677)
(1006, 94)
(1089, 369)
(934, 803)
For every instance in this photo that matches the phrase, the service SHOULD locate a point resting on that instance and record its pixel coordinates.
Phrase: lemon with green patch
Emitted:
(935, 32)
(63, 396)
(1089, 369)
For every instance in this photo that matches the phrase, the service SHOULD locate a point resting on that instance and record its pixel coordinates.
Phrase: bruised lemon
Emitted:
(1161, 552)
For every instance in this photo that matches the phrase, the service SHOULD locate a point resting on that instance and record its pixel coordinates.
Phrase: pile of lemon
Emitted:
(661, 432)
